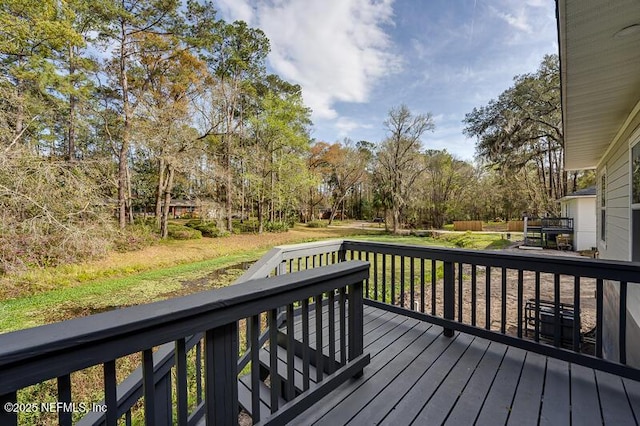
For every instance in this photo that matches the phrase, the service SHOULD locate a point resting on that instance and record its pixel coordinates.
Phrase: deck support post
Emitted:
(356, 323)
(221, 365)
(449, 295)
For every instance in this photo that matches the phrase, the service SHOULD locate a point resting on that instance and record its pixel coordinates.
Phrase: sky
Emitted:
(357, 59)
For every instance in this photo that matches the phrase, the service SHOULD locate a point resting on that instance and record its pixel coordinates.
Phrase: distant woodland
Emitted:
(112, 110)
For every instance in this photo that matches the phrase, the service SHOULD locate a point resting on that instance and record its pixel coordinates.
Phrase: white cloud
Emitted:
(335, 49)
(346, 125)
(236, 10)
(518, 19)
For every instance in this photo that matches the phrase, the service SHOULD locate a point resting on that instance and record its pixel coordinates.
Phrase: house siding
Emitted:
(617, 246)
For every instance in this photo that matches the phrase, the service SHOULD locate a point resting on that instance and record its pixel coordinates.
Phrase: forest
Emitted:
(112, 110)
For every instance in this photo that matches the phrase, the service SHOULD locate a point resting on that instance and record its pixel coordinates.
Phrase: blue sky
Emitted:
(355, 59)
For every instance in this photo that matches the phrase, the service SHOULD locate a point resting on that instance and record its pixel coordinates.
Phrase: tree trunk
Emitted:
(164, 227)
(159, 192)
(71, 130)
(126, 131)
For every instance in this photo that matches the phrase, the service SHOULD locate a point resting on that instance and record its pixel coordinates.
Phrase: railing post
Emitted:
(8, 417)
(449, 295)
(356, 323)
(221, 376)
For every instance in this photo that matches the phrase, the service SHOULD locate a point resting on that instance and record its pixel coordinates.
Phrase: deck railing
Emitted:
(485, 293)
(269, 307)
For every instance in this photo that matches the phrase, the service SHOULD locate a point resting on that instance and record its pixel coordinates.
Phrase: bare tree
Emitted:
(399, 162)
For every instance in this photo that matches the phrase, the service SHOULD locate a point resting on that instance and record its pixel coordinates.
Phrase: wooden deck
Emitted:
(419, 376)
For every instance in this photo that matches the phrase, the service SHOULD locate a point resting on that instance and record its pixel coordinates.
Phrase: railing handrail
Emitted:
(565, 265)
(33, 355)
(272, 259)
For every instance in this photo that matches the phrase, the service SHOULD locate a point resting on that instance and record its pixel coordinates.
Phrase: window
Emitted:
(603, 207)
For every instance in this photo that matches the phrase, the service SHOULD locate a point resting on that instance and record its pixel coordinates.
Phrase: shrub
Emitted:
(210, 230)
(317, 224)
(179, 232)
(276, 227)
(137, 236)
(247, 226)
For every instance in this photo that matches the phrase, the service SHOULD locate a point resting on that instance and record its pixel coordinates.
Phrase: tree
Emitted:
(236, 57)
(524, 126)
(128, 20)
(399, 163)
(275, 160)
(32, 35)
(346, 165)
(169, 78)
(446, 179)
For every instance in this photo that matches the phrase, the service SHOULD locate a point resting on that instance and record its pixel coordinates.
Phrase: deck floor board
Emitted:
(419, 376)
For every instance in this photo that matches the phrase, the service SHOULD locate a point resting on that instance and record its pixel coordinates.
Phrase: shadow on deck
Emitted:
(419, 376)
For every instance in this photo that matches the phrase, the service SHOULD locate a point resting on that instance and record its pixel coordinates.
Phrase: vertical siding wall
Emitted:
(616, 246)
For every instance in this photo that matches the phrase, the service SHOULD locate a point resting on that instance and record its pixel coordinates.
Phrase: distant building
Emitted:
(581, 207)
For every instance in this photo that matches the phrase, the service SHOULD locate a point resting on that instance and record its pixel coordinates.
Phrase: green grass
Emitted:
(470, 240)
(162, 282)
(108, 293)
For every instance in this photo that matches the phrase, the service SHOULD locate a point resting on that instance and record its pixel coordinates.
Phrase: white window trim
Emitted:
(633, 141)
(602, 243)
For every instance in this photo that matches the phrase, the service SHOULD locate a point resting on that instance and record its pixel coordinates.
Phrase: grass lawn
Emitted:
(169, 269)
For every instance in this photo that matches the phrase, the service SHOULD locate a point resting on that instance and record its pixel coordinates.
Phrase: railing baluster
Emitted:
(599, 316)
(64, 395)
(449, 295)
(520, 300)
(622, 333)
(127, 418)
(384, 278)
(343, 325)
(9, 417)
(433, 286)
(537, 307)
(393, 279)
(473, 294)
(254, 347)
(375, 276)
(503, 302)
(305, 344)
(181, 382)
(319, 345)
(110, 397)
(402, 280)
(487, 291)
(422, 272)
(412, 277)
(459, 292)
(557, 326)
(149, 387)
(199, 372)
(576, 314)
(273, 359)
(332, 332)
(367, 280)
(356, 339)
(291, 390)
(221, 384)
